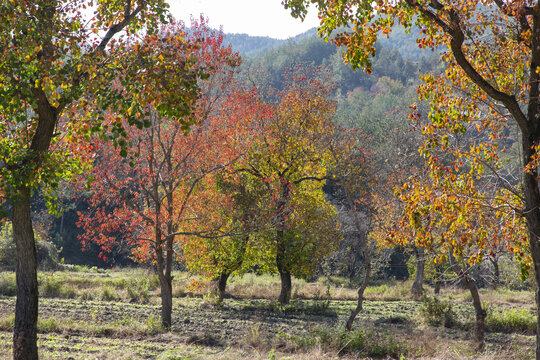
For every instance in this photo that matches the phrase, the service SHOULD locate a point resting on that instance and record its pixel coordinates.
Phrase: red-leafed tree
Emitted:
(54, 57)
(147, 202)
(232, 200)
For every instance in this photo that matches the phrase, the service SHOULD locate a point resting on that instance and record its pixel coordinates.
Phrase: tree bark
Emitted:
(26, 308)
(166, 299)
(286, 286)
(417, 288)
(221, 285)
(479, 328)
(496, 272)
(532, 214)
(165, 281)
(438, 279)
(284, 273)
(360, 304)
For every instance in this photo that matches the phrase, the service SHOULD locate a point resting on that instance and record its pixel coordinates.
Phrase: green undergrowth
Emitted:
(511, 321)
(360, 342)
(122, 327)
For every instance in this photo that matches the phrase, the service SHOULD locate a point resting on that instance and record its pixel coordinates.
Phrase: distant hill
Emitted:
(253, 46)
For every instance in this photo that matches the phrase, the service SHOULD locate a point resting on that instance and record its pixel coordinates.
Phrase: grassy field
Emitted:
(91, 314)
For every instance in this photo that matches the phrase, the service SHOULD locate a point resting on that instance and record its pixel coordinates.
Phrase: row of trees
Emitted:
(241, 189)
(466, 205)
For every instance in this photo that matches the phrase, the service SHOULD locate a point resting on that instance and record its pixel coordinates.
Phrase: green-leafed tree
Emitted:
(292, 156)
(492, 78)
(57, 57)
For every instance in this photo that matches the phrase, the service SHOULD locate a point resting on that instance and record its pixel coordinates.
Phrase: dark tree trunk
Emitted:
(221, 285)
(165, 279)
(438, 279)
(284, 273)
(496, 272)
(281, 263)
(26, 308)
(166, 299)
(286, 286)
(417, 289)
(360, 304)
(532, 214)
(479, 328)
(285, 276)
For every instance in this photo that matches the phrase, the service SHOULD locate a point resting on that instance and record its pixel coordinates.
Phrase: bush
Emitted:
(360, 342)
(7, 323)
(8, 286)
(511, 320)
(46, 252)
(437, 312)
(52, 286)
(109, 294)
(153, 326)
(47, 255)
(47, 325)
(137, 290)
(7, 247)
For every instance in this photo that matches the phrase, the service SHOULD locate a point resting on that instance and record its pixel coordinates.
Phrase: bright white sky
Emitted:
(253, 17)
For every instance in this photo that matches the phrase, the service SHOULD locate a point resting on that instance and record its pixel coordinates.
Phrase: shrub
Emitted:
(153, 326)
(52, 286)
(47, 255)
(47, 325)
(511, 320)
(8, 286)
(109, 294)
(360, 342)
(437, 312)
(7, 247)
(137, 290)
(7, 323)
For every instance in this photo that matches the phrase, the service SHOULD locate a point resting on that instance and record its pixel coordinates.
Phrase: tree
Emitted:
(492, 63)
(53, 58)
(352, 175)
(292, 156)
(148, 202)
(232, 199)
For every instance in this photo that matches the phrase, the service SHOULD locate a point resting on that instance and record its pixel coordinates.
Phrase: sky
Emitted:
(253, 17)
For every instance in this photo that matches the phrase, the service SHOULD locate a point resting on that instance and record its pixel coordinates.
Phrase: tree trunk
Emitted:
(481, 314)
(438, 279)
(535, 254)
(532, 214)
(496, 272)
(221, 285)
(284, 273)
(166, 299)
(359, 305)
(286, 286)
(417, 289)
(26, 308)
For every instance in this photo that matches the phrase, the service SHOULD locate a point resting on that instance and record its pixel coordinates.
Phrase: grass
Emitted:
(391, 291)
(88, 305)
(511, 321)
(359, 342)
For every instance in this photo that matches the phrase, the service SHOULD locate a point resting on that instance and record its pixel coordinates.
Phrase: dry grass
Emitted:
(107, 340)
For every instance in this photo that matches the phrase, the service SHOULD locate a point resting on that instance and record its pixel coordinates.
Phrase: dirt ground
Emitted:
(242, 329)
